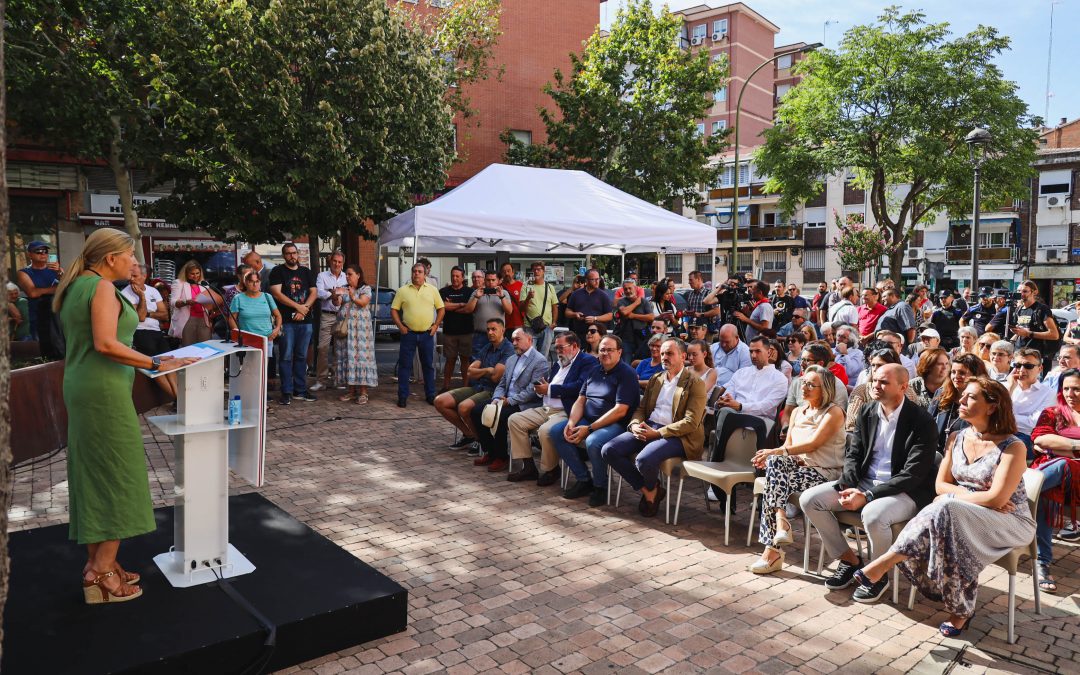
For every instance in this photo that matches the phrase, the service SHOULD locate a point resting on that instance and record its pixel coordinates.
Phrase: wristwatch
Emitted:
(155, 363)
(588, 428)
(869, 496)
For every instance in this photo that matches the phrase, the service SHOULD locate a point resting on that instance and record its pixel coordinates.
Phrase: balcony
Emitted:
(959, 255)
(763, 233)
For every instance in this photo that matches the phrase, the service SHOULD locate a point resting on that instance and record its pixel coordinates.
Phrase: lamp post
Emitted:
(738, 109)
(977, 141)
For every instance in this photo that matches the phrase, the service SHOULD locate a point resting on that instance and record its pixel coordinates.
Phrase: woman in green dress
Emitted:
(109, 494)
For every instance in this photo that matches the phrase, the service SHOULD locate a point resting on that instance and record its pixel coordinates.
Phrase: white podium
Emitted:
(207, 446)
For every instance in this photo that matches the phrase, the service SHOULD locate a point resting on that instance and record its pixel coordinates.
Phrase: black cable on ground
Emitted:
(259, 664)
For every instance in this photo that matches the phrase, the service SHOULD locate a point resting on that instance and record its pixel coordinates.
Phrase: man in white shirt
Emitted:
(887, 477)
(729, 354)
(559, 392)
(1029, 396)
(329, 288)
(1067, 357)
(844, 310)
(152, 309)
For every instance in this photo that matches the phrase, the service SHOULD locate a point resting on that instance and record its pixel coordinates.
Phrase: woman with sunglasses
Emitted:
(945, 408)
(983, 345)
(1057, 445)
(933, 370)
(594, 332)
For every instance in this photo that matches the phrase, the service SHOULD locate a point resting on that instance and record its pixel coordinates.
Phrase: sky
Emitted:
(1025, 22)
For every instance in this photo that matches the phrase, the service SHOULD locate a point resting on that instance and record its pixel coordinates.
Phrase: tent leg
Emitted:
(415, 246)
(622, 267)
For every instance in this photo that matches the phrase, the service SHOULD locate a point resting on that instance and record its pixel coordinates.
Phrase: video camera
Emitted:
(733, 297)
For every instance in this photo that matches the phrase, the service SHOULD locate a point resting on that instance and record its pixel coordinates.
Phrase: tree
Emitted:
(859, 247)
(74, 83)
(629, 111)
(894, 104)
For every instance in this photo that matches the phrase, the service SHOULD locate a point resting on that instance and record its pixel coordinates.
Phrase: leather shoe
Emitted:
(527, 472)
(549, 477)
(653, 507)
(483, 460)
(598, 497)
(401, 402)
(497, 465)
(430, 400)
(579, 489)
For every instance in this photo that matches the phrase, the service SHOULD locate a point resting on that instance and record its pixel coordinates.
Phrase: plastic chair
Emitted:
(1033, 480)
(669, 467)
(736, 469)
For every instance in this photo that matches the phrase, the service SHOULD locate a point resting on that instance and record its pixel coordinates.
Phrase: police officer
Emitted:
(980, 314)
(946, 319)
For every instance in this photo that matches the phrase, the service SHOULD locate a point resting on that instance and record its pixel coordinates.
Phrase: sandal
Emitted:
(346, 398)
(95, 592)
(361, 399)
(948, 630)
(129, 578)
(1047, 584)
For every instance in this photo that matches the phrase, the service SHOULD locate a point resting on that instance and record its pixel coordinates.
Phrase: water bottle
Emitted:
(234, 411)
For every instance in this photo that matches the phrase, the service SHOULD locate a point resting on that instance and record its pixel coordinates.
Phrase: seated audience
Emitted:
(656, 327)
(886, 477)
(593, 334)
(795, 344)
(484, 373)
(752, 397)
(559, 391)
(983, 345)
(812, 453)
(980, 514)
(861, 393)
(729, 354)
(699, 360)
(516, 391)
(18, 310)
(799, 324)
(1068, 357)
(933, 370)
(968, 337)
(778, 358)
(606, 402)
(815, 354)
(667, 424)
(1000, 364)
(945, 407)
(928, 339)
(848, 355)
(828, 334)
(646, 368)
(895, 342)
(1057, 444)
(1030, 397)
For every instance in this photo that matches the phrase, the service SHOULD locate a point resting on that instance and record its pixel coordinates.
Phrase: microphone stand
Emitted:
(228, 314)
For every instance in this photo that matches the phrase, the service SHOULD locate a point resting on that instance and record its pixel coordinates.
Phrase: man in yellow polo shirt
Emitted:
(417, 310)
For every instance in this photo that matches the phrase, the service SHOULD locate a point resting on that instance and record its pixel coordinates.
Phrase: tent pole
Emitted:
(415, 245)
(622, 266)
(378, 267)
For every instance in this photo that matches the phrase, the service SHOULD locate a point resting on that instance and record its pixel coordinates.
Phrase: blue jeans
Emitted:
(643, 470)
(478, 341)
(1053, 474)
(292, 365)
(542, 341)
(1028, 443)
(594, 444)
(410, 342)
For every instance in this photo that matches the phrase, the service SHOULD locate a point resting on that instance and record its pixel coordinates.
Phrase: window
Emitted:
(815, 217)
(701, 129)
(672, 264)
(683, 40)
(720, 95)
(745, 262)
(810, 224)
(782, 89)
(727, 176)
(744, 174)
(774, 261)
(441, 3)
(703, 262)
(718, 126)
(719, 28)
(813, 259)
(699, 33)
(784, 62)
(994, 240)
(522, 136)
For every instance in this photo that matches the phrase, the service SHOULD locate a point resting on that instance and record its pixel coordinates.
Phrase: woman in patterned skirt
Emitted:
(981, 512)
(356, 367)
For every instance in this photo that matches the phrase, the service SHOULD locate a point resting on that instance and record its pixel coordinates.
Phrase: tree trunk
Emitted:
(896, 262)
(5, 349)
(123, 186)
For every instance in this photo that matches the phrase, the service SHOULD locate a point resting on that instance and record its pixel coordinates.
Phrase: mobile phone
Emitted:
(53, 258)
(490, 291)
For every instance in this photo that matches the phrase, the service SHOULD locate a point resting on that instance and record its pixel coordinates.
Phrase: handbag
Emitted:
(537, 325)
(489, 417)
(341, 326)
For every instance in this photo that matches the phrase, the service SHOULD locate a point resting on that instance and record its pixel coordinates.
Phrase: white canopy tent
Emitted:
(518, 209)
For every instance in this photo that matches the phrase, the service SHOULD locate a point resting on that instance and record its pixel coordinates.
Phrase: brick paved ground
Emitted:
(512, 578)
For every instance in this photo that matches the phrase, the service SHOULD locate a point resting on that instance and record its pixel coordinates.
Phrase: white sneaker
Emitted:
(318, 386)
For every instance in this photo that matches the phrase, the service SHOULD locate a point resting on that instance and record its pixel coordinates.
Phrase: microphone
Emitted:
(228, 332)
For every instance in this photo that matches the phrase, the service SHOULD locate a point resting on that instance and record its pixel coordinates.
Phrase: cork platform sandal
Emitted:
(95, 593)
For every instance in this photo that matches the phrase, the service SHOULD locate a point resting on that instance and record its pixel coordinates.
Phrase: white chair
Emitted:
(736, 469)
(854, 519)
(669, 467)
(1033, 480)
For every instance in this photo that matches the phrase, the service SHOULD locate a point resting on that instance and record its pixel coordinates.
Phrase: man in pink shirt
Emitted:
(869, 313)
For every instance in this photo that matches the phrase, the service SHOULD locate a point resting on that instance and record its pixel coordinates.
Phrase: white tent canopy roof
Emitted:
(529, 210)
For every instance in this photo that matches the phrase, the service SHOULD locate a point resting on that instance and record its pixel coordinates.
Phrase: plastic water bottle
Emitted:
(234, 411)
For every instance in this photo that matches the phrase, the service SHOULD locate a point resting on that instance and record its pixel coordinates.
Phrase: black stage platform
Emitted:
(320, 598)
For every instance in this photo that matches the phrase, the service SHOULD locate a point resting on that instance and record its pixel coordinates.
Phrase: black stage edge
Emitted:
(320, 597)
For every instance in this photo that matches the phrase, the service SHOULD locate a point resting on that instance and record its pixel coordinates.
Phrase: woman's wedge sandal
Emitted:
(95, 593)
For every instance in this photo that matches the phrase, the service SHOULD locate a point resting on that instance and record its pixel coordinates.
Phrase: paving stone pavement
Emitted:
(512, 578)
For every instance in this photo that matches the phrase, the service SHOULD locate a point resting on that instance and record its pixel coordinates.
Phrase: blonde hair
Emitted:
(187, 267)
(99, 244)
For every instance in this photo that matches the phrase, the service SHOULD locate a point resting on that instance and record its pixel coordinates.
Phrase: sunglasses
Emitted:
(592, 330)
(1025, 366)
(40, 250)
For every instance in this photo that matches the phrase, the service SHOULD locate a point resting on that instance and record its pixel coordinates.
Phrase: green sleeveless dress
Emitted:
(109, 492)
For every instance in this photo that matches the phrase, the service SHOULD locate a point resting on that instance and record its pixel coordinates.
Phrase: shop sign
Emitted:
(191, 246)
(118, 222)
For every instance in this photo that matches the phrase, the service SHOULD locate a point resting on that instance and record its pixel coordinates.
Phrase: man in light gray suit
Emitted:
(526, 367)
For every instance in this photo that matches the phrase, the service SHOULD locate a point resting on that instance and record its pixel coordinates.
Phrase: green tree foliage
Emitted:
(73, 84)
(894, 103)
(628, 112)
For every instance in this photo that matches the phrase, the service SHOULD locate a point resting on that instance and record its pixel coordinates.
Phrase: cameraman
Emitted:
(761, 316)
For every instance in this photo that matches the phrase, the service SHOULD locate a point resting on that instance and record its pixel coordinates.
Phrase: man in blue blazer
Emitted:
(559, 390)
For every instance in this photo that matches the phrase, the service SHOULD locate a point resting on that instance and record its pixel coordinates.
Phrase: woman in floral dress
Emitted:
(356, 367)
(981, 512)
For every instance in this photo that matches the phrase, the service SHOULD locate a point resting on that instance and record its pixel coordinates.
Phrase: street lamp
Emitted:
(738, 109)
(977, 142)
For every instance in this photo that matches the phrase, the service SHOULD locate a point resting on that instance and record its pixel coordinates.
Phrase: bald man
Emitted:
(729, 354)
(888, 476)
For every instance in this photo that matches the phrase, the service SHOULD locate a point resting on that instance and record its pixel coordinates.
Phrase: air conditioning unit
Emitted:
(716, 37)
(916, 253)
(1054, 201)
(1051, 254)
(721, 260)
(696, 41)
